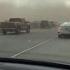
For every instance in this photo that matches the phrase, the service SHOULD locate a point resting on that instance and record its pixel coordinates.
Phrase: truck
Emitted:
(15, 25)
(44, 24)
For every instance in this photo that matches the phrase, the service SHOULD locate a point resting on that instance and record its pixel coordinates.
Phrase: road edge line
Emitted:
(19, 53)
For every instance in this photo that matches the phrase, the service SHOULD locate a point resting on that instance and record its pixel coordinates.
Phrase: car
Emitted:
(63, 29)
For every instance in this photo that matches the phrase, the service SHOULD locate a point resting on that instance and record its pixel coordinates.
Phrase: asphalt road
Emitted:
(40, 44)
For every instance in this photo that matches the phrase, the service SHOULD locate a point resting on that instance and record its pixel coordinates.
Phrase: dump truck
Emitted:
(15, 25)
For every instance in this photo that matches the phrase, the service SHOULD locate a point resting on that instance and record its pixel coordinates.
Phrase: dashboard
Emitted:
(23, 64)
(11, 66)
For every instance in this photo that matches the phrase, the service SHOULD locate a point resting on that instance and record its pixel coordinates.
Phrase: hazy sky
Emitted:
(58, 10)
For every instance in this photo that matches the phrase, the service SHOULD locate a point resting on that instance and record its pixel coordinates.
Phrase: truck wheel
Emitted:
(4, 32)
(28, 30)
(17, 31)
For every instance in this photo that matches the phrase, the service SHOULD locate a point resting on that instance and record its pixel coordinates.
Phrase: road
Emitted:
(40, 44)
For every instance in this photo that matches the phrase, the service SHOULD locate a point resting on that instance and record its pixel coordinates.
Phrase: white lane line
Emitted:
(17, 54)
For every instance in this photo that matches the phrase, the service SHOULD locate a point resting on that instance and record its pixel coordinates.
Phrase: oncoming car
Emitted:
(64, 29)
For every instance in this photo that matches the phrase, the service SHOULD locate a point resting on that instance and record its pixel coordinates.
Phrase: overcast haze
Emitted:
(58, 10)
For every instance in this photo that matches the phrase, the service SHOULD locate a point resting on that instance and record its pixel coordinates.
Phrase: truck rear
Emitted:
(9, 27)
(22, 24)
(15, 25)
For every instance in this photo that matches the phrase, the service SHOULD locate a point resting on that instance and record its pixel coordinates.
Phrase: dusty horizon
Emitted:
(56, 10)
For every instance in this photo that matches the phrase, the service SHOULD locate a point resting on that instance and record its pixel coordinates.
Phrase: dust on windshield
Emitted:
(40, 35)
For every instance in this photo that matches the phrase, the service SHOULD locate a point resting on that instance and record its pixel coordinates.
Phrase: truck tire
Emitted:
(17, 31)
(28, 29)
(4, 32)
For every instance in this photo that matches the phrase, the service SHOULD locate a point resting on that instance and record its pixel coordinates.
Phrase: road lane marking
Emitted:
(41, 43)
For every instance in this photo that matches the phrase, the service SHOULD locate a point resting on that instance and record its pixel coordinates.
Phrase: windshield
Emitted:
(15, 20)
(40, 38)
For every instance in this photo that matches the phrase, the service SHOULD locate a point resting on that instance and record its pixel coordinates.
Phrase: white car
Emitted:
(64, 29)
